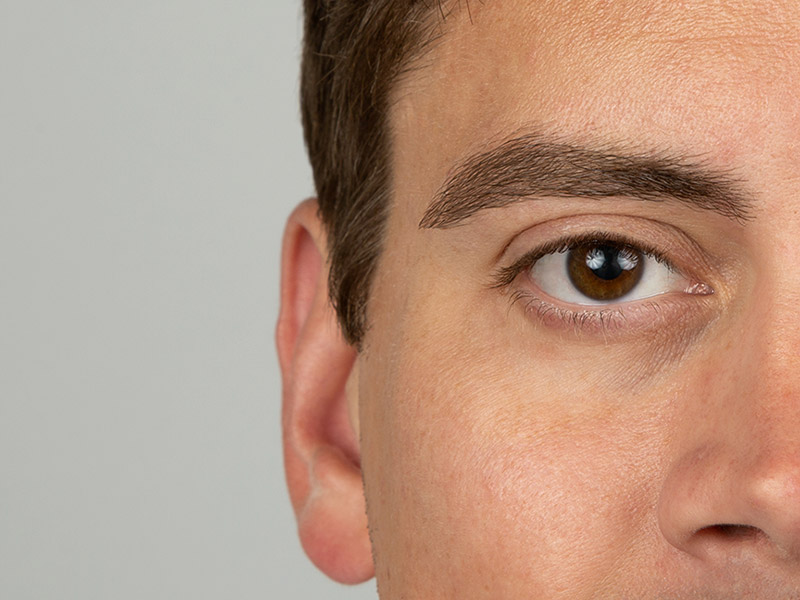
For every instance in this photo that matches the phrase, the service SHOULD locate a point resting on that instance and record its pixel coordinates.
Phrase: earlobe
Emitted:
(321, 452)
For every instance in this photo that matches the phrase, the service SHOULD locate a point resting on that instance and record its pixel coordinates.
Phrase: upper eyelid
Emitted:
(673, 240)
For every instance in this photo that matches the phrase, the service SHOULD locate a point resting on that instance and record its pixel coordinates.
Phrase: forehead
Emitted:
(694, 76)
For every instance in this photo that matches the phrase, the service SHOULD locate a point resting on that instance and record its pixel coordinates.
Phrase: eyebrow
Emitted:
(533, 165)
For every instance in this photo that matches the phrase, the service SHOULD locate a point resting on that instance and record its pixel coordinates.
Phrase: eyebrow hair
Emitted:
(534, 165)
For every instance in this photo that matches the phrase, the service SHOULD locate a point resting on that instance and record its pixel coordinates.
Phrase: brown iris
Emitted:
(604, 270)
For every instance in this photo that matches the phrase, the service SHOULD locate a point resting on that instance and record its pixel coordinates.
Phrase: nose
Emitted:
(733, 484)
(716, 502)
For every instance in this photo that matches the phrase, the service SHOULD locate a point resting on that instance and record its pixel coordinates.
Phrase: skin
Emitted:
(509, 455)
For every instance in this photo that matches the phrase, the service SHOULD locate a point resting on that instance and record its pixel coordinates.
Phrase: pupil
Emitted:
(604, 262)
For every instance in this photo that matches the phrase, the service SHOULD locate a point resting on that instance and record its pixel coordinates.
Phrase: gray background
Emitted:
(150, 151)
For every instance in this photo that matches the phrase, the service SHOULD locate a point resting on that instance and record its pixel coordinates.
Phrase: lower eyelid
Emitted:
(620, 320)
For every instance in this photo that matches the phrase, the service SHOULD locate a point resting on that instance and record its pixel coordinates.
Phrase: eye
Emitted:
(603, 271)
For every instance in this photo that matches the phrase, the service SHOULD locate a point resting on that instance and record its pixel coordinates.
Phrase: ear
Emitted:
(320, 442)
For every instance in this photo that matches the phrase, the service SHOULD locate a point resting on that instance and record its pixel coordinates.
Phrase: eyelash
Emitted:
(586, 318)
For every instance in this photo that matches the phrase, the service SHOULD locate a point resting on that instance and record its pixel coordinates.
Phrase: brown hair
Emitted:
(353, 54)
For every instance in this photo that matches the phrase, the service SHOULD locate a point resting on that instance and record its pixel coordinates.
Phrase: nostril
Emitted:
(724, 541)
(726, 531)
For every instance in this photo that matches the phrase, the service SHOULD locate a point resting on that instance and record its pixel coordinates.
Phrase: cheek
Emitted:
(481, 475)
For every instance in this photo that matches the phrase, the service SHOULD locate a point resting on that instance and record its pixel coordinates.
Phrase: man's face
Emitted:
(520, 439)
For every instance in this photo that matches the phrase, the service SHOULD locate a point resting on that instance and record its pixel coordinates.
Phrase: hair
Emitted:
(354, 52)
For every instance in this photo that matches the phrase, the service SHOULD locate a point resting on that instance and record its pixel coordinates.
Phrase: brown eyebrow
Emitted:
(533, 165)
